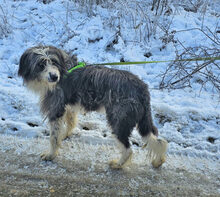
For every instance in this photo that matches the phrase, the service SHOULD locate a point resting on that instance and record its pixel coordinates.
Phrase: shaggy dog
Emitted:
(124, 97)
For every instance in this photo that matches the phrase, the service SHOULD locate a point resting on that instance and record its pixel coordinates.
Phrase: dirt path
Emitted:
(82, 169)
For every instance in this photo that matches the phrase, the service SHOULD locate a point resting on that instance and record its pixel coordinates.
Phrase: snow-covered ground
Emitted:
(188, 118)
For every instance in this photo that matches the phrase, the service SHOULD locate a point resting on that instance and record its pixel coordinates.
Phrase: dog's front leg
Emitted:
(55, 139)
(71, 121)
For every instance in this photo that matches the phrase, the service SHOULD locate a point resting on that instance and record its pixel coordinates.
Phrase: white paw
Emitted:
(115, 165)
(118, 164)
(47, 156)
(156, 163)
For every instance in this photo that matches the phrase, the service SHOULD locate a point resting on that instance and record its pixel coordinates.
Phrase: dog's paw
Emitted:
(47, 156)
(156, 163)
(115, 165)
(122, 162)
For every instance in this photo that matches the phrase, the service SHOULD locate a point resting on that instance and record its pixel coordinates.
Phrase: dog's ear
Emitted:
(74, 60)
(69, 60)
(23, 64)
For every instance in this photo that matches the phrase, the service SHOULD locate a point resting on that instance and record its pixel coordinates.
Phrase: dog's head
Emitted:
(42, 66)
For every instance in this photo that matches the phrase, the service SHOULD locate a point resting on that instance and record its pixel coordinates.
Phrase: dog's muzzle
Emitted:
(53, 77)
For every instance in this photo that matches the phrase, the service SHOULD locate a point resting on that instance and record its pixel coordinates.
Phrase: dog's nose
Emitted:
(53, 77)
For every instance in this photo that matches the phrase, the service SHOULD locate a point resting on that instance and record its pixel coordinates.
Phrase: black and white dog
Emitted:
(124, 97)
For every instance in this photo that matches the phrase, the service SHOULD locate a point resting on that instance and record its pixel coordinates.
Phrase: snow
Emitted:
(187, 118)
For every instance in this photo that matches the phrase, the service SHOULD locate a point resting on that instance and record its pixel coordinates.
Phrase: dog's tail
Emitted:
(156, 147)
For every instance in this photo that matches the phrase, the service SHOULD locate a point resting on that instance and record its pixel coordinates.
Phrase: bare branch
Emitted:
(182, 73)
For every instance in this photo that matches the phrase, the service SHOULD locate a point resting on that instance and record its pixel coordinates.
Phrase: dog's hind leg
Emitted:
(126, 154)
(55, 139)
(121, 120)
(157, 149)
(71, 121)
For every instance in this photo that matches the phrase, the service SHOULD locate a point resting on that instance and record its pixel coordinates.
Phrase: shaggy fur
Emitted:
(124, 96)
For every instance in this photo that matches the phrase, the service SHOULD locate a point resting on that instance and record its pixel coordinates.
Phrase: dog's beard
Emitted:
(39, 86)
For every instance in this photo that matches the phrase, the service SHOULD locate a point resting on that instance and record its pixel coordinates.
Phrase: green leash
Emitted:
(82, 64)
(161, 61)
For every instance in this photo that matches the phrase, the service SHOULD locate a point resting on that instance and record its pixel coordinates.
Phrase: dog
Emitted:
(63, 95)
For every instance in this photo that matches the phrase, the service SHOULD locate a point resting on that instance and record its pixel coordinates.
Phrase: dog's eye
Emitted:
(55, 63)
(41, 66)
